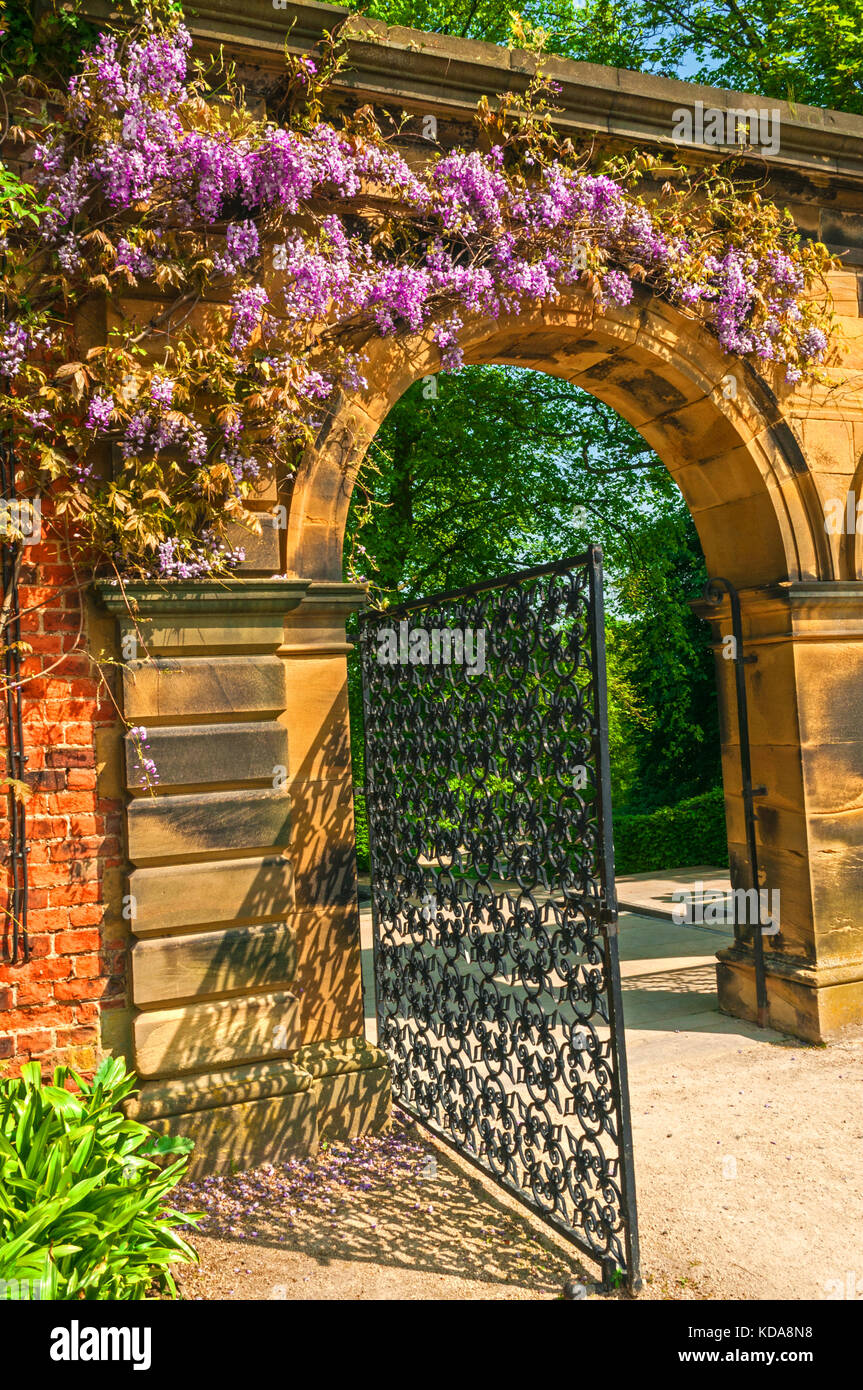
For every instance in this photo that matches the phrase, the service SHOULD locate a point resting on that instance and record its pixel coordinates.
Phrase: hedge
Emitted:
(362, 830)
(672, 837)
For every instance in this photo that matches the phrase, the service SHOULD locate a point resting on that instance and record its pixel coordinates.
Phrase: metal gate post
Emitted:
(609, 918)
(713, 593)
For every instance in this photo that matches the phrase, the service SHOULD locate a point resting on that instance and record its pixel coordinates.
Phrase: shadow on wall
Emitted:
(246, 968)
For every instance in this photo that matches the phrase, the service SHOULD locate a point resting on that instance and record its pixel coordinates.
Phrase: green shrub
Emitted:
(361, 822)
(82, 1193)
(692, 832)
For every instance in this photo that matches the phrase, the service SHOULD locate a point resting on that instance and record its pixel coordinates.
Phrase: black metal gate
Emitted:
(495, 915)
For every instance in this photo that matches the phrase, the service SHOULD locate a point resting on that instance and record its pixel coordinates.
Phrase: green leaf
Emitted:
(69, 1219)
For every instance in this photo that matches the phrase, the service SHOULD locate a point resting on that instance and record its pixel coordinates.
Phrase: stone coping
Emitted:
(194, 597)
(410, 68)
(335, 1058)
(812, 598)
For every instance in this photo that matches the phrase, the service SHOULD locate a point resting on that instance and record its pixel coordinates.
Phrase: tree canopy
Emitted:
(498, 468)
(806, 51)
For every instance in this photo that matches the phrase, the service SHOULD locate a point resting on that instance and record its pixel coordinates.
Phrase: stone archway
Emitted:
(246, 1016)
(729, 440)
(714, 422)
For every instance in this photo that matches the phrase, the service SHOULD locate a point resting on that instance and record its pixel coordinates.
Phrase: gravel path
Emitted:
(387, 1217)
(750, 1185)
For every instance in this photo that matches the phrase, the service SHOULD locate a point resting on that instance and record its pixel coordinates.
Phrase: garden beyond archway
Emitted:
(755, 503)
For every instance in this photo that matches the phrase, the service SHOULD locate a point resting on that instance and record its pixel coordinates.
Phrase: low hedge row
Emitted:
(672, 837)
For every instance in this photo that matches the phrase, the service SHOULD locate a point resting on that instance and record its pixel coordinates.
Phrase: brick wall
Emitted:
(51, 1007)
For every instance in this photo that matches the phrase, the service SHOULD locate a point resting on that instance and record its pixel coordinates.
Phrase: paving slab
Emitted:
(654, 892)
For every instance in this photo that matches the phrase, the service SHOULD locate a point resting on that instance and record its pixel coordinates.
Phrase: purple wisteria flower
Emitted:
(15, 343)
(617, 287)
(149, 434)
(241, 246)
(467, 236)
(134, 258)
(39, 419)
(145, 766)
(813, 344)
(99, 412)
(179, 561)
(330, 274)
(162, 390)
(247, 306)
(244, 467)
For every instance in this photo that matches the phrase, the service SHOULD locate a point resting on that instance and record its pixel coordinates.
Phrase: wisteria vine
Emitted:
(245, 265)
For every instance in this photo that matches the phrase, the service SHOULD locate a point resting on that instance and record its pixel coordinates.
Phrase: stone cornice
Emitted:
(781, 612)
(194, 597)
(406, 68)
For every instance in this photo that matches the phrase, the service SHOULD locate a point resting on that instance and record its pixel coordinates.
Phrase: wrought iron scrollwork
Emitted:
(496, 969)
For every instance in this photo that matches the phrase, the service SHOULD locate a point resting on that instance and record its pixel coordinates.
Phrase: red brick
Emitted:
(81, 870)
(47, 827)
(48, 920)
(43, 876)
(33, 1042)
(72, 942)
(67, 803)
(81, 826)
(35, 992)
(76, 1037)
(41, 643)
(47, 779)
(36, 854)
(54, 968)
(39, 594)
(87, 967)
(7, 1048)
(79, 989)
(70, 757)
(53, 1016)
(77, 734)
(86, 847)
(81, 779)
(90, 915)
(40, 945)
(66, 894)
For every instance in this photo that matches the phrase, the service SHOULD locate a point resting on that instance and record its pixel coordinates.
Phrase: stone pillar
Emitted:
(806, 744)
(248, 1034)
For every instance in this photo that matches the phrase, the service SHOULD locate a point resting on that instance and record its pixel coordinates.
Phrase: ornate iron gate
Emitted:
(495, 917)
